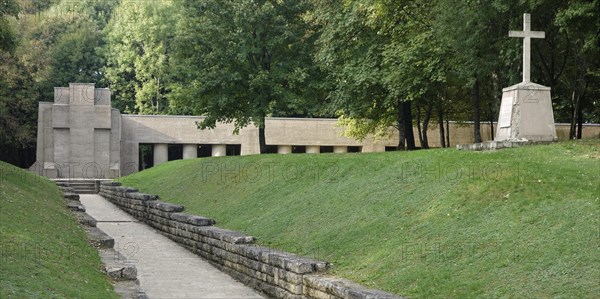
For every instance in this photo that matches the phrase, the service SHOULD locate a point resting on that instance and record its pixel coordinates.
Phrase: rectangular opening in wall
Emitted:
(355, 149)
(146, 156)
(271, 149)
(391, 148)
(298, 149)
(233, 149)
(204, 150)
(175, 152)
(326, 149)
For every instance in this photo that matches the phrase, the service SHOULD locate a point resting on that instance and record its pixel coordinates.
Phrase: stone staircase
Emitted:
(79, 186)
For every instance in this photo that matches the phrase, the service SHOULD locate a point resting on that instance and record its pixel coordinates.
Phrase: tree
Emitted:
(479, 48)
(74, 57)
(18, 112)
(381, 57)
(7, 35)
(138, 53)
(577, 22)
(243, 60)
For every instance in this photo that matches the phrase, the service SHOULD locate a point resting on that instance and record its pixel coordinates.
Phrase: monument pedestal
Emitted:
(526, 114)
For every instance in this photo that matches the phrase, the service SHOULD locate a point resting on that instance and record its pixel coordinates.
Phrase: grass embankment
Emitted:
(518, 223)
(43, 251)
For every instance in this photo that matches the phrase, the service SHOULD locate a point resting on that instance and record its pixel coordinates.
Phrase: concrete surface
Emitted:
(165, 269)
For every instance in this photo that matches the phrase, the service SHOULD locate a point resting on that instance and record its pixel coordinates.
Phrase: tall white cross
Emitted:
(527, 35)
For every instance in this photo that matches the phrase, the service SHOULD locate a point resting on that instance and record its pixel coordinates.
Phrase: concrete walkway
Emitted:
(165, 269)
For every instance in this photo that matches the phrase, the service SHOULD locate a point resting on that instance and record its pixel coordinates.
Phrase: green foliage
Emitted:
(350, 52)
(138, 53)
(243, 60)
(442, 223)
(18, 109)
(74, 57)
(44, 253)
(578, 23)
(379, 54)
(7, 36)
(360, 128)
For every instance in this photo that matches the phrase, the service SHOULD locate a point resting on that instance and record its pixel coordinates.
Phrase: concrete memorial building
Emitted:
(81, 136)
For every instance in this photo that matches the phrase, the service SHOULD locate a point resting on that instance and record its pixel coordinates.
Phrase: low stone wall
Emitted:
(122, 272)
(273, 272)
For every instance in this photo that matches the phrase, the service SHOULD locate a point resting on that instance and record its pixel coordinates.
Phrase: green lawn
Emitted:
(43, 251)
(440, 223)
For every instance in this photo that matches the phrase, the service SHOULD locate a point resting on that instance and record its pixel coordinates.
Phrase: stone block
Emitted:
(344, 288)
(192, 219)
(316, 294)
(66, 189)
(75, 206)
(128, 272)
(123, 189)
(98, 238)
(165, 206)
(141, 196)
(225, 235)
(117, 266)
(85, 219)
(129, 290)
(110, 183)
(71, 196)
(294, 263)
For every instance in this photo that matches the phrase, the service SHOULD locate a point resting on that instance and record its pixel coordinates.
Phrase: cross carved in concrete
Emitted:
(527, 35)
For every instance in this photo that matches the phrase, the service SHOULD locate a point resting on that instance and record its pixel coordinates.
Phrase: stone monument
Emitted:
(526, 108)
(78, 134)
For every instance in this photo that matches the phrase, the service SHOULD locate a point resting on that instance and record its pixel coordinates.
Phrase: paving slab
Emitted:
(165, 269)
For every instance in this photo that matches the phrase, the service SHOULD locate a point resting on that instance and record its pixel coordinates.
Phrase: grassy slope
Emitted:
(438, 223)
(43, 252)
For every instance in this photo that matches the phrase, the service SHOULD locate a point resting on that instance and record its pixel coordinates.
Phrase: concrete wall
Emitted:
(276, 273)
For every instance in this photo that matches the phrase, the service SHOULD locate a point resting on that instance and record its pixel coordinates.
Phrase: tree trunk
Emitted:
(425, 141)
(580, 101)
(447, 132)
(440, 111)
(579, 122)
(419, 126)
(400, 120)
(476, 112)
(262, 142)
(575, 103)
(408, 128)
(491, 112)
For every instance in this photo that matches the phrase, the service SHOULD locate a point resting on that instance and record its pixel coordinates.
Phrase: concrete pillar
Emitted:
(284, 149)
(219, 150)
(340, 149)
(161, 153)
(313, 149)
(190, 151)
